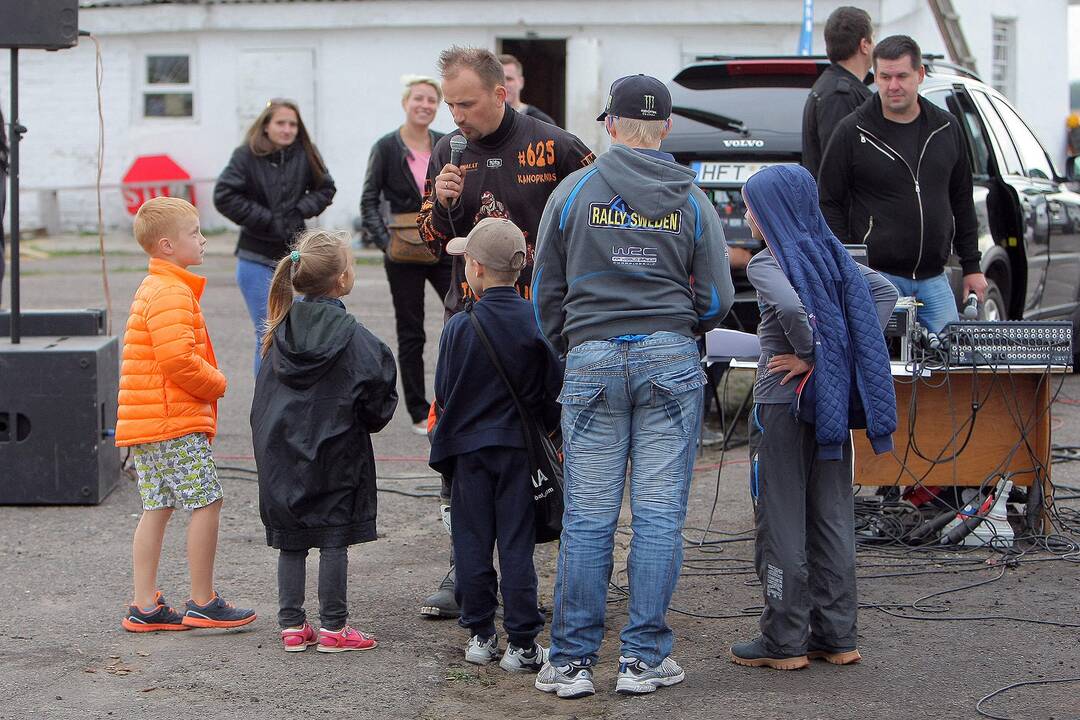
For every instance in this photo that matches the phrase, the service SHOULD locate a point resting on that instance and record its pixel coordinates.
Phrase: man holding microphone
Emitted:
(511, 163)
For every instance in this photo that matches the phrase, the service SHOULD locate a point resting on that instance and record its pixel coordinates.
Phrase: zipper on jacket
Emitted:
(868, 230)
(914, 179)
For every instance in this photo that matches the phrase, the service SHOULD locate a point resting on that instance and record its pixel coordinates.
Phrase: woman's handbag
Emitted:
(544, 455)
(405, 245)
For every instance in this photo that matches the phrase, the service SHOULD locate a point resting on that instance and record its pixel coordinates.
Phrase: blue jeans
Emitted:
(938, 302)
(254, 281)
(639, 401)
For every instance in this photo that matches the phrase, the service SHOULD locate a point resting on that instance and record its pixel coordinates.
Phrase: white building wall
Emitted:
(361, 49)
(1040, 53)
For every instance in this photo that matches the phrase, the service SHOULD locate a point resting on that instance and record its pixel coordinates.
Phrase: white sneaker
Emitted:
(518, 660)
(569, 681)
(420, 428)
(480, 651)
(637, 678)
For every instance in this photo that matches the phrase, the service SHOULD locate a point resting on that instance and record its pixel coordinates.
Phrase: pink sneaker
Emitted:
(298, 639)
(344, 639)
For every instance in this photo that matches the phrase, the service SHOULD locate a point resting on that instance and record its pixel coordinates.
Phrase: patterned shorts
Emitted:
(177, 473)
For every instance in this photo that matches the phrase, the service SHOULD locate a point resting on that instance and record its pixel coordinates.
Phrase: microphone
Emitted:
(458, 144)
(971, 307)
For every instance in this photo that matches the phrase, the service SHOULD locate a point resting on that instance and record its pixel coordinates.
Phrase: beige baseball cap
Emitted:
(496, 243)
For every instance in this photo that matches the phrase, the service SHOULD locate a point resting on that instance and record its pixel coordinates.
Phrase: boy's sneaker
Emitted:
(347, 638)
(216, 614)
(836, 656)
(567, 681)
(481, 651)
(754, 654)
(637, 678)
(298, 639)
(162, 617)
(519, 661)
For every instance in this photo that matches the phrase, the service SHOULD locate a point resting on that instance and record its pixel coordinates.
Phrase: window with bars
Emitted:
(167, 88)
(1003, 59)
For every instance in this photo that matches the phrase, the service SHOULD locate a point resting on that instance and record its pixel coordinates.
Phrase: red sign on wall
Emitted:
(153, 176)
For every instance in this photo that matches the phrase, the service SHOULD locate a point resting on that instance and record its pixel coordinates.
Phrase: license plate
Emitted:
(725, 173)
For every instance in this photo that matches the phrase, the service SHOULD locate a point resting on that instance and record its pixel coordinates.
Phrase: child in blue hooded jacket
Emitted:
(823, 361)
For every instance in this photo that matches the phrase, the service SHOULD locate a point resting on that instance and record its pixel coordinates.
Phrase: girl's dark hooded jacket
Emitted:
(325, 386)
(270, 196)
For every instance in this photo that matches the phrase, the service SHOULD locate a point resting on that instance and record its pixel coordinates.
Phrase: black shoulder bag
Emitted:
(545, 459)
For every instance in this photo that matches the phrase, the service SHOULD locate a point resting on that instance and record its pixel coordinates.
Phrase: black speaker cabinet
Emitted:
(57, 420)
(39, 24)
(55, 323)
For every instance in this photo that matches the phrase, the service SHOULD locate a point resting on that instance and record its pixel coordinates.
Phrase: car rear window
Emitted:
(758, 109)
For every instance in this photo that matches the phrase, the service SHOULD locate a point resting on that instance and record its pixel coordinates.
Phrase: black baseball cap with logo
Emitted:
(640, 97)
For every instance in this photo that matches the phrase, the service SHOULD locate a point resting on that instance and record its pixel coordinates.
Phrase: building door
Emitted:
(283, 73)
(544, 65)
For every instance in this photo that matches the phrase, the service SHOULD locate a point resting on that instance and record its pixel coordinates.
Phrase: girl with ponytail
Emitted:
(325, 385)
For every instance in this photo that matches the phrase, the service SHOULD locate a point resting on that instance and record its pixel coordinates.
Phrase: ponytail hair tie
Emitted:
(295, 256)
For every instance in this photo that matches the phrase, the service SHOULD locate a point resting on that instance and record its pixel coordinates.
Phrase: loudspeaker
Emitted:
(54, 323)
(39, 24)
(58, 419)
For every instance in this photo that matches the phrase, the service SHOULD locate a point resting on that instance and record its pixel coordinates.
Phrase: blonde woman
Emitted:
(394, 186)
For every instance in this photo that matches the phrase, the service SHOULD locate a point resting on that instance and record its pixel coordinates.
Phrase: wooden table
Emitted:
(941, 440)
(932, 444)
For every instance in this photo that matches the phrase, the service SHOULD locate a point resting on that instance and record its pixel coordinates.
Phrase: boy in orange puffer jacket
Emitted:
(169, 387)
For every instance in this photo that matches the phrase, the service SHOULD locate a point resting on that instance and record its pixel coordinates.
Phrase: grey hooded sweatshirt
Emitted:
(629, 246)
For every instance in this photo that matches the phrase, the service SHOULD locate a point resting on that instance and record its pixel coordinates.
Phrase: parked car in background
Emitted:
(734, 116)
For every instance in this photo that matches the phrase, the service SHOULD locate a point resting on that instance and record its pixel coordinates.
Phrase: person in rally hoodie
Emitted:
(631, 264)
(896, 177)
(511, 165)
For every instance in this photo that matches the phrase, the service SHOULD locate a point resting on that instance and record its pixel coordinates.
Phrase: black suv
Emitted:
(736, 115)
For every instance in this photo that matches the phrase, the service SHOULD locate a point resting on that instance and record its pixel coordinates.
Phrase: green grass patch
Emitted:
(468, 676)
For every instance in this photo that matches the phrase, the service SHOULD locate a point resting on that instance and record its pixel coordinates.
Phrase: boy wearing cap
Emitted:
(480, 444)
(630, 267)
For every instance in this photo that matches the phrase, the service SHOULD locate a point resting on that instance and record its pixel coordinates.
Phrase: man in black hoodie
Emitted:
(896, 177)
(849, 41)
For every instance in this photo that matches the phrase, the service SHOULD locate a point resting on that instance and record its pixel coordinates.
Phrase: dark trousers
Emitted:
(492, 504)
(805, 545)
(333, 583)
(407, 291)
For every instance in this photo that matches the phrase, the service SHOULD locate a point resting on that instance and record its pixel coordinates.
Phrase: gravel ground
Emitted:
(66, 578)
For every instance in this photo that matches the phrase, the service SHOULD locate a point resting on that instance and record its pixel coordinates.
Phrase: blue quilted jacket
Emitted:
(851, 384)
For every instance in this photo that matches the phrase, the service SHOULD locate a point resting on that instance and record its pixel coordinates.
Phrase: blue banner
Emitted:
(806, 37)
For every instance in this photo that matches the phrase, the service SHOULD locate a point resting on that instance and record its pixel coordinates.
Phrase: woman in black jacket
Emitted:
(396, 173)
(273, 182)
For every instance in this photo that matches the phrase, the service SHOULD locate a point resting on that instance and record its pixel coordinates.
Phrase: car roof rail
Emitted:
(934, 62)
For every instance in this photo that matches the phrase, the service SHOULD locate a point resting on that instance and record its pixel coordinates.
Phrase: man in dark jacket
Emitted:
(896, 178)
(631, 264)
(511, 165)
(515, 83)
(849, 41)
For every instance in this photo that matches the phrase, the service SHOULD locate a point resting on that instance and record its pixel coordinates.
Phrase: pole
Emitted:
(16, 134)
(806, 34)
